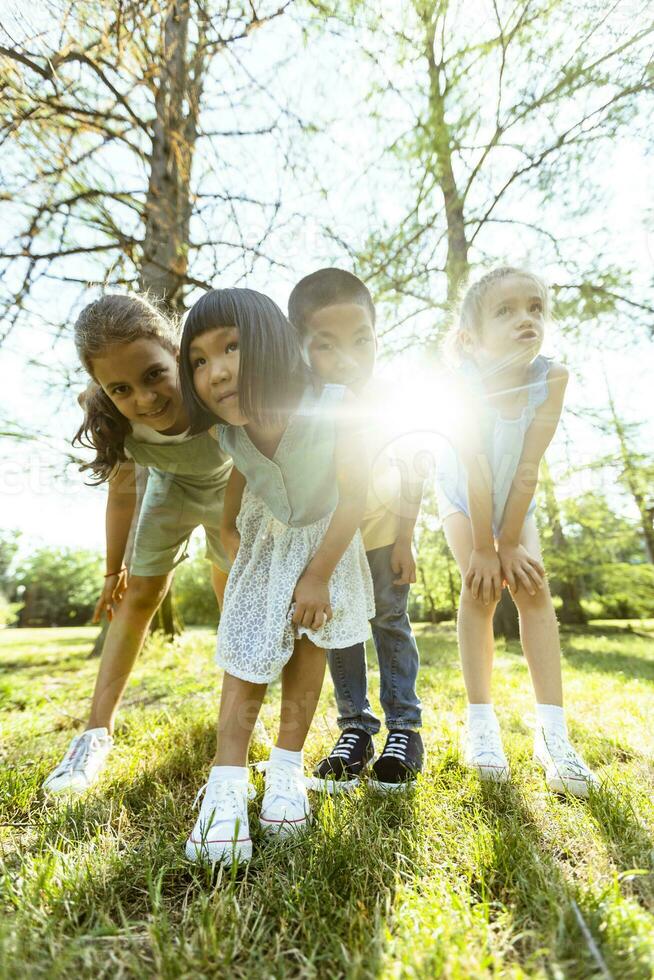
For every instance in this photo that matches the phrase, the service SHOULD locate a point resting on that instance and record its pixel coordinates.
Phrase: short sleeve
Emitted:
(538, 386)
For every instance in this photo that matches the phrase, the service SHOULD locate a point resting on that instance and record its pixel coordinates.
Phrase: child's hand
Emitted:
(519, 568)
(312, 606)
(484, 575)
(231, 541)
(114, 589)
(403, 564)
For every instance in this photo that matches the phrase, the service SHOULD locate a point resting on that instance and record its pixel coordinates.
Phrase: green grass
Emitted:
(453, 880)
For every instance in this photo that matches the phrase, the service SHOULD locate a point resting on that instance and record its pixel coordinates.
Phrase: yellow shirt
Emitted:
(391, 453)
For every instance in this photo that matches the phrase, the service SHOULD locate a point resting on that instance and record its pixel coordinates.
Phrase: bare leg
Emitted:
(240, 703)
(474, 621)
(219, 581)
(302, 679)
(539, 630)
(125, 638)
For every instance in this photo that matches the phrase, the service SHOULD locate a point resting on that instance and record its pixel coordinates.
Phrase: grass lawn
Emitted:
(455, 879)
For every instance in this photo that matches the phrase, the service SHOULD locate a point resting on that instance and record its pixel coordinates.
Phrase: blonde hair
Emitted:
(468, 316)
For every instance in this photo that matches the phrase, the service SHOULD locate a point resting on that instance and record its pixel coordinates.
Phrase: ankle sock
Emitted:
(239, 774)
(551, 717)
(287, 756)
(482, 714)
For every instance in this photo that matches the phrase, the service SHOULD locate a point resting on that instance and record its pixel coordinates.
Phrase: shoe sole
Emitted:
(332, 786)
(492, 774)
(203, 853)
(567, 786)
(67, 790)
(377, 786)
(283, 828)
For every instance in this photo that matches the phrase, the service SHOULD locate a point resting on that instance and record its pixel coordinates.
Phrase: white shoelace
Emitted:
(562, 752)
(486, 744)
(396, 746)
(228, 794)
(77, 756)
(283, 781)
(345, 745)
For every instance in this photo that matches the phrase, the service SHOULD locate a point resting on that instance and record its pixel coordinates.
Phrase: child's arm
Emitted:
(121, 503)
(312, 608)
(403, 563)
(484, 576)
(520, 568)
(229, 535)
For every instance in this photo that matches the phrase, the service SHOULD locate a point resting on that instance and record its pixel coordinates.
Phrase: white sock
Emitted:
(552, 718)
(99, 732)
(482, 714)
(287, 756)
(239, 774)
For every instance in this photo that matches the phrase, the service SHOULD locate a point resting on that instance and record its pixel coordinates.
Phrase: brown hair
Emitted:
(108, 322)
(468, 315)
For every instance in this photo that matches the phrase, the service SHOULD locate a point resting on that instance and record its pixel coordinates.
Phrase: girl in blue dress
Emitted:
(300, 581)
(508, 409)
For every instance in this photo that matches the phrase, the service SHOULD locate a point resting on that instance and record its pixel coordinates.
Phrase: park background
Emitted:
(174, 146)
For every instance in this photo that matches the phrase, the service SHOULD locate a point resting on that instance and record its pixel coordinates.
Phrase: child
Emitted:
(136, 416)
(334, 314)
(511, 405)
(299, 581)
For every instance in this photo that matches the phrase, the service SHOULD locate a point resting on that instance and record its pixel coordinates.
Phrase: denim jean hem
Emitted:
(370, 729)
(404, 725)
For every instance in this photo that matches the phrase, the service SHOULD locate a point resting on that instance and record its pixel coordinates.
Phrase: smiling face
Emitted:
(512, 322)
(140, 378)
(341, 344)
(215, 359)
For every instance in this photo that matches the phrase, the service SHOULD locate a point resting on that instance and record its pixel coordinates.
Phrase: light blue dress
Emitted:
(287, 507)
(503, 441)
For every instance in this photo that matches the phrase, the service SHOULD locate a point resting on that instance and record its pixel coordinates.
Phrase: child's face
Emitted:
(341, 344)
(513, 326)
(215, 358)
(141, 380)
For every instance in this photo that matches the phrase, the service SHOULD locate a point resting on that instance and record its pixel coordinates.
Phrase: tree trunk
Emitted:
(457, 265)
(428, 595)
(168, 203)
(505, 621)
(630, 476)
(571, 610)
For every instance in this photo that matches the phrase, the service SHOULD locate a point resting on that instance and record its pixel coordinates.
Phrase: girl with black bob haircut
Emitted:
(272, 373)
(299, 582)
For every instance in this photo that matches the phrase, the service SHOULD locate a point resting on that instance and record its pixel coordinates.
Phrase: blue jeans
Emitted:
(397, 654)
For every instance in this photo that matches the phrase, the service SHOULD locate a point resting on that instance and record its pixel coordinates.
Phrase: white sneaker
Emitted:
(483, 751)
(285, 806)
(84, 761)
(222, 832)
(565, 770)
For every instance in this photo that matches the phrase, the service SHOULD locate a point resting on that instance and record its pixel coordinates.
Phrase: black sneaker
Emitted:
(400, 762)
(341, 769)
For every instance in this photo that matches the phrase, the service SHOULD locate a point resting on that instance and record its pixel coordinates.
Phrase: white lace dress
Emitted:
(256, 635)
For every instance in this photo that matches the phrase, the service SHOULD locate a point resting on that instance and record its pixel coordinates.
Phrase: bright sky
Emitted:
(50, 504)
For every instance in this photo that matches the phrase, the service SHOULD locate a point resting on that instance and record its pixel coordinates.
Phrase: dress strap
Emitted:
(538, 386)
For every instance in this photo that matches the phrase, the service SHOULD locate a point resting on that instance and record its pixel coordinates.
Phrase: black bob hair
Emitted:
(271, 370)
(326, 287)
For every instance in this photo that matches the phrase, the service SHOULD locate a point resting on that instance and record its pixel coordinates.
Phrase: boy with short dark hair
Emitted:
(334, 314)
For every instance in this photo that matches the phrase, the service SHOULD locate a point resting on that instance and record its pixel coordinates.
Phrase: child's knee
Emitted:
(476, 606)
(146, 594)
(540, 601)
